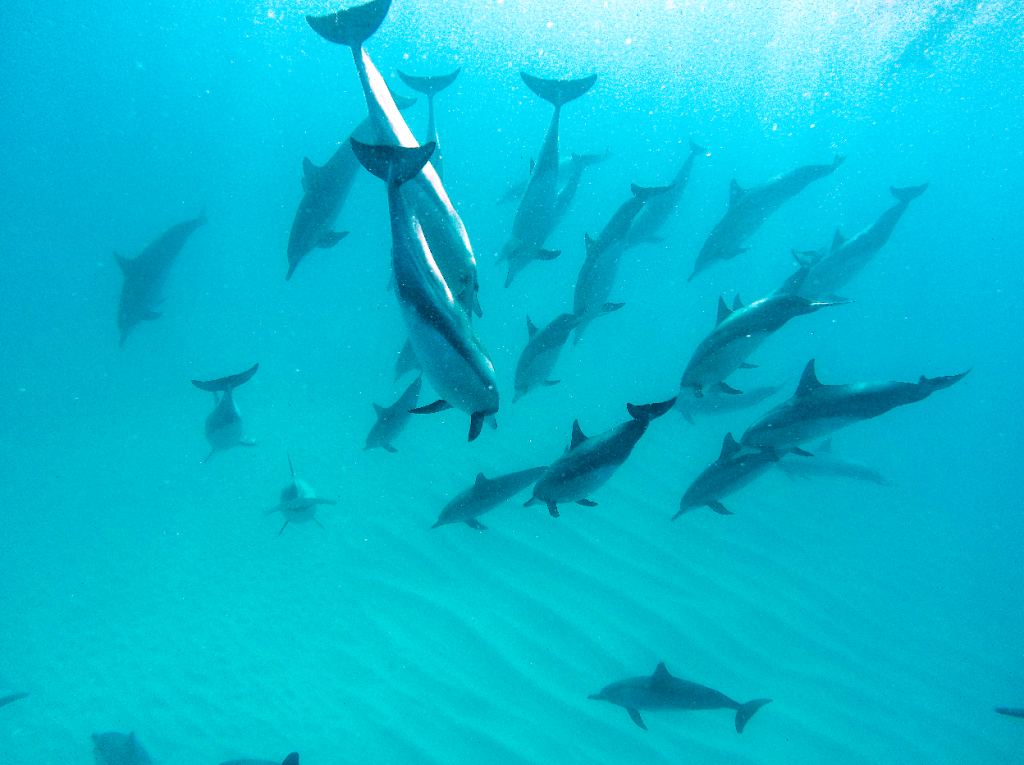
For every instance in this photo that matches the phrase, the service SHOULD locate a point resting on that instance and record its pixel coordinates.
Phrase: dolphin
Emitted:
(224, 423)
(646, 227)
(298, 502)
(736, 335)
(391, 420)
(430, 87)
(829, 274)
(827, 465)
(717, 402)
(565, 169)
(736, 467)
(597, 276)
(537, 214)
(484, 495)
(589, 462)
(750, 208)
(118, 749)
(453, 359)
(291, 759)
(146, 274)
(662, 691)
(12, 698)
(1011, 711)
(541, 353)
(441, 225)
(816, 410)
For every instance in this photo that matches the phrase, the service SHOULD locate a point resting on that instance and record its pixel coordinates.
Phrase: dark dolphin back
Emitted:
(352, 26)
(226, 383)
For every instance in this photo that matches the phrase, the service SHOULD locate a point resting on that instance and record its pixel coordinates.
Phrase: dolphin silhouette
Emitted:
(224, 423)
(484, 495)
(430, 87)
(391, 420)
(298, 502)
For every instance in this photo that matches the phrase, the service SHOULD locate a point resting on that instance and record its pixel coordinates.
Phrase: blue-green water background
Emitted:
(140, 589)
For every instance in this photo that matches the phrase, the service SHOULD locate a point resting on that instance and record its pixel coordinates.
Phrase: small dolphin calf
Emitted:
(736, 335)
(597, 276)
(825, 464)
(118, 749)
(589, 462)
(224, 423)
(817, 410)
(750, 208)
(647, 226)
(391, 420)
(146, 274)
(541, 353)
(291, 759)
(298, 502)
(716, 402)
(736, 467)
(12, 698)
(430, 87)
(662, 691)
(484, 495)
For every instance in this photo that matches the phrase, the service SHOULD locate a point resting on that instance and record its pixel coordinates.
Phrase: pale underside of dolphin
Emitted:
(298, 502)
(224, 423)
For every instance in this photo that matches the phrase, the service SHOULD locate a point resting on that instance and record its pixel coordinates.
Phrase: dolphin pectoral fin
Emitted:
(745, 365)
(801, 452)
(207, 457)
(476, 424)
(331, 238)
(551, 382)
(746, 711)
(553, 509)
(389, 448)
(476, 305)
(609, 307)
(719, 508)
(17, 696)
(151, 315)
(586, 502)
(547, 254)
(438, 406)
(634, 715)
(317, 522)
(491, 421)
(473, 523)
(726, 388)
(282, 528)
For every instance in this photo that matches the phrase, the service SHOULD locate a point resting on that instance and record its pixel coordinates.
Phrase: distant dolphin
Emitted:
(224, 423)
(737, 334)
(817, 410)
(454, 360)
(537, 213)
(590, 462)
(663, 691)
(597, 276)
(118, 749)
(828, 275)
(716, 402)
(441, 225)
(565, 170)
(647, 226)
(13, 697)
(1011, 711)
(484, 495)
(391, 420)
(736, 467)
(750, 208)
(146, 274)
(541, 353)
(825, 464)
(430, 87)
(291, 759)
(298, 502)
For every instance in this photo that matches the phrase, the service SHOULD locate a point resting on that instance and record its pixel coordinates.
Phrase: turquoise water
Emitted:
(141, 589)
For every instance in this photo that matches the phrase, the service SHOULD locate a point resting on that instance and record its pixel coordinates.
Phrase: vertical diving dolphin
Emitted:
(750, 208)
(541, 353)
(646, 227)
(537, 216)
(441, 225)
(736, 467)
(391, 420)
(146, 274)
(588, 463)
(565, 168)
(484, 495)
(224, 423)
(453, 359)
(298, 502)
(430, 87)
(663, 691)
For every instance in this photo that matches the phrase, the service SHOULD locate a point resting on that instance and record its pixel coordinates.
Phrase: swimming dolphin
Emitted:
(589, 462)
(484, 495)
(441, 225)
(648, 223)
(825, 464)
(541, 353)
(565, 170)
(736, 335)
(750, 208)
(454, 360)
(430, 87)
(298, 502)
(13, 697)
(597, 276)
(816, 410)
(118, 749)
(1011, 711)
(391, 420)
(736, 467)
(291, 759)
(146, 274)
(224, 423)
(537, 214)
(662, 691)
(716, 402)
(827, 275)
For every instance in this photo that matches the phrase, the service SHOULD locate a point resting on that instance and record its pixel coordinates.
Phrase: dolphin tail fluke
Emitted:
(648, 412)
(428, 86)
(932, 384)
(226, 383)
(393, 164)
(643, 193)
(907, 193)
(695, 149)
(745, 712)
(559, 92)
(202, 220)
(351, 26)
(837, 161)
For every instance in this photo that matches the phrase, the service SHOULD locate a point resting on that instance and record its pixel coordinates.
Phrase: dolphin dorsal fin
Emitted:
(379, 409)
(737, 304)
(735, 192)
(808, 381)
(123, 262)
(309, 174)
(661, 675)
(825, 446)
(729, 447)
(588, 241)
(577, 435)
(532, 165)
(291, 759)
(481, 479)
(531, 330)
(838, 240)
(723, 311)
